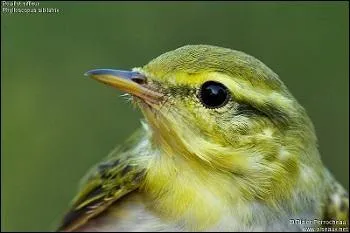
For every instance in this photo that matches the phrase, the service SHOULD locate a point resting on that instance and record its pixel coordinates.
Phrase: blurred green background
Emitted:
(56, 123)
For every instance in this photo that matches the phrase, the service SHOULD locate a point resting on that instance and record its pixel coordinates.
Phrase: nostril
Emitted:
(139, 80)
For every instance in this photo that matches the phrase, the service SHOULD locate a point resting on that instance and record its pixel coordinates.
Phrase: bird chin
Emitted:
(148, 109)
(145, 104)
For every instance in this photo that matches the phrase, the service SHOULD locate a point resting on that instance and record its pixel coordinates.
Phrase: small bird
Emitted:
(224, 146)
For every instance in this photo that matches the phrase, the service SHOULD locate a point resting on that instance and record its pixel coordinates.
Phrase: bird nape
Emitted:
(224, 146)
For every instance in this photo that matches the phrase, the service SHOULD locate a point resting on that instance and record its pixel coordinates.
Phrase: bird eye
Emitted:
(213, 94)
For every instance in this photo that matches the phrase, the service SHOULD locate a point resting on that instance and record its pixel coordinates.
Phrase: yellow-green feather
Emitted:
(206, 164)
(336, 208)
(119, 174)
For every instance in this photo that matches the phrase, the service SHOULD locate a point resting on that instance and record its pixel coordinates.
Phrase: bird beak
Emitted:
(131, 82)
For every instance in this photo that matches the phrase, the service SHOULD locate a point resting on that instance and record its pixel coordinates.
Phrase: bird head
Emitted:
(223, 111)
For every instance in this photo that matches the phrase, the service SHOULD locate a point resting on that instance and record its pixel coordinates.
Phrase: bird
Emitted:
(223, 146)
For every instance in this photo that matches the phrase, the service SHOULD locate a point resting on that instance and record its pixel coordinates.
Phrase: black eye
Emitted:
(213, 94)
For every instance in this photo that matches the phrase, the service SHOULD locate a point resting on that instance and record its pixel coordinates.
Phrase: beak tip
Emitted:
(90, 73)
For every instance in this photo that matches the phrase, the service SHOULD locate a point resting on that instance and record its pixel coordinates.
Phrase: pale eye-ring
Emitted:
(213, 94)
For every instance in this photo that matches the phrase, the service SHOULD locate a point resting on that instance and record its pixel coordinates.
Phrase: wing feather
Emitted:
(110, 180)
(337, 207)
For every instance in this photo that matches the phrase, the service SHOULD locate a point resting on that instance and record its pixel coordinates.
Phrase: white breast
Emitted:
(130, 214)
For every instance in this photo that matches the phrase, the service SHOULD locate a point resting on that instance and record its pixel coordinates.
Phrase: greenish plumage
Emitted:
(118, 175)
(250, 163)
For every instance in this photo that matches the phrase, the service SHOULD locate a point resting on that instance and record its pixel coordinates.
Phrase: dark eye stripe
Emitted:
(248, 110)
(279, 118)
(182, 91)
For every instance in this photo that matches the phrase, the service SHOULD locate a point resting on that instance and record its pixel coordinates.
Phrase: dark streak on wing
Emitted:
(139, 175)
(105, 168)
(101, 195)
(75, 214)
(125, 170)
(337, 206)
(96, 191)
(104, 185)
